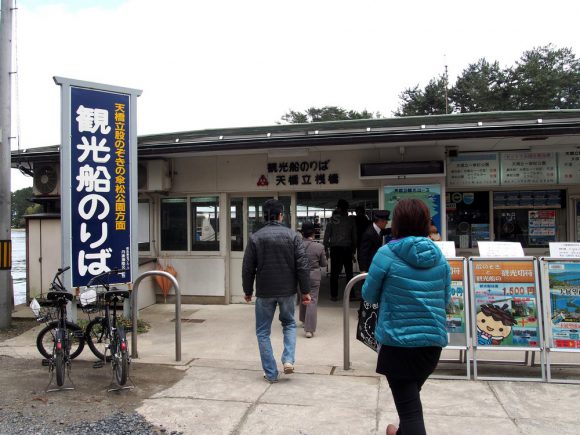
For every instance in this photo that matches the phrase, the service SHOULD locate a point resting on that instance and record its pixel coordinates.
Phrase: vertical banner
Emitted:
(506, 303)
(99, 180)
(430, 194)
(563, 304)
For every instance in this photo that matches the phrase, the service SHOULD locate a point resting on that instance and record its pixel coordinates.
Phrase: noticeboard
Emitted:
(506, 303)
(457, 320)
(561, 284)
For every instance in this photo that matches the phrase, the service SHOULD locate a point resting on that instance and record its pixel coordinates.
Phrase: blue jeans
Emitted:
(265, 309)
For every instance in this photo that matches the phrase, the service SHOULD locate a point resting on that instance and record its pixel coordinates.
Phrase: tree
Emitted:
(20, 206)
(482, 87)
(546, 78)
(430, 101)
(326, 113)
(543, 78)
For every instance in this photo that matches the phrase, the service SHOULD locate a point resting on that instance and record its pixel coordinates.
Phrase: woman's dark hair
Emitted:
(411, 217)
(308, 229)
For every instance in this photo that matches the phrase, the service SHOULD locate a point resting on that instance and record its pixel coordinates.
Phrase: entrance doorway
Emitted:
(318, 207)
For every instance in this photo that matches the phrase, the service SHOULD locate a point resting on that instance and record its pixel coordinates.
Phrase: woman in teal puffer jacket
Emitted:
(410, 279)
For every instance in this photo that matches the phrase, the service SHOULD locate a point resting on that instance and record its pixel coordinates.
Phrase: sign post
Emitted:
(506, 309)
(458, 321)
(560, 279)
(99, 181)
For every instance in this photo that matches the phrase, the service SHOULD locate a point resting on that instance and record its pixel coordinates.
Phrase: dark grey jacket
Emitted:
(340, 231)
(275, 258)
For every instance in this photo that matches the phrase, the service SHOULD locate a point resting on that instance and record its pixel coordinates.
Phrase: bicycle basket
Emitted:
(91, 302)
(44, 310)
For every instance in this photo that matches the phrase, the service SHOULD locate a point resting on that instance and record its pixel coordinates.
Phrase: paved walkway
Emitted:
(223, 391)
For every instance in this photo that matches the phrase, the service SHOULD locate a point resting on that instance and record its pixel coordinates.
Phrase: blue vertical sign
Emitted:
(100, 189)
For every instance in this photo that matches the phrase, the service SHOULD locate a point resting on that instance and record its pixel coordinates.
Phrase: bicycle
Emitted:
(105, 337)
(59, 341)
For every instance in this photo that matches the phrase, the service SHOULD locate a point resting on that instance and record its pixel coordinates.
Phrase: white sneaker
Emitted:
(309, 334)
(288, 368)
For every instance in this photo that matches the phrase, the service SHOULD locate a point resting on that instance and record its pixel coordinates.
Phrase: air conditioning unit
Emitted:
(153, 176)
(46, 180)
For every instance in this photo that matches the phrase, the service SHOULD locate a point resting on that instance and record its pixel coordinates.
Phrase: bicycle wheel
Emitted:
(99, 339)
(59, 367)
(45, 339)
(121, 367)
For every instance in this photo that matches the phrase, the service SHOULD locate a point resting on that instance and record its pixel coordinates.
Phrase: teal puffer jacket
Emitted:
(410, 279)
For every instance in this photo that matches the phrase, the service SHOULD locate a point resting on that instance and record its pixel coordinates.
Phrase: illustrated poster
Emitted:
(506, 303)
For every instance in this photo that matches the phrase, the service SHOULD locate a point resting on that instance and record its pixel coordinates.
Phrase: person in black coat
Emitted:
(372, 240)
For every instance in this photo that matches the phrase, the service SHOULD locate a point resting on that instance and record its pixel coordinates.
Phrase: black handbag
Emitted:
(367, 321)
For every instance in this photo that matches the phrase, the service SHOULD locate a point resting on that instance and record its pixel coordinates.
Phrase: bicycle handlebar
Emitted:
(99, 278)
(56, 283)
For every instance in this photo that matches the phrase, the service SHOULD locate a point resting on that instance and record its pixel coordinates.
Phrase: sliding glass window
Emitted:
(174, 224)
(205, 223)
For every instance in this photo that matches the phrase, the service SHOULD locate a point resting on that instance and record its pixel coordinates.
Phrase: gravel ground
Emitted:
(26, 408)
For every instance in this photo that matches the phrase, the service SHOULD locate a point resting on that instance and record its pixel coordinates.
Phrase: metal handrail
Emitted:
(346, 318)
(177, 312)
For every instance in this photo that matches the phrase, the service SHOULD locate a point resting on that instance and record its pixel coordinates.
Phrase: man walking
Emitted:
(276, 260)
(340, 238)
(372, 240)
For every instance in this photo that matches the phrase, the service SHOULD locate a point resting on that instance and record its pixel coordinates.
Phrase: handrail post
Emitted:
(346, 317)
(134, 353)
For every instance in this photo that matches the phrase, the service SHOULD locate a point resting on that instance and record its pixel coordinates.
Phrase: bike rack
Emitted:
(346, 318)
(177, 312)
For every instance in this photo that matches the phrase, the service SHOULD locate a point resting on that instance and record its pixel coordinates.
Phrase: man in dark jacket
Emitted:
(276, 260)
(372, 240)
(340, 238)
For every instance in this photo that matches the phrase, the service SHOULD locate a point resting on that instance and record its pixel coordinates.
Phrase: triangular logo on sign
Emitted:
(262, 181)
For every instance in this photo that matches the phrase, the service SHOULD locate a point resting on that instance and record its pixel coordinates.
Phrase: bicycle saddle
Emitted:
(115, 292)
(55, 296)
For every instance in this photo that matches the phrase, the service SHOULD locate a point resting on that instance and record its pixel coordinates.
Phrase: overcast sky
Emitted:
(234, 63)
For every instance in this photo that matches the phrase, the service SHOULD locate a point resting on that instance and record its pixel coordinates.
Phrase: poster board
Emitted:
(506, 307)
(561, 291)
(506, 311)
(457, 312)
(430, 194)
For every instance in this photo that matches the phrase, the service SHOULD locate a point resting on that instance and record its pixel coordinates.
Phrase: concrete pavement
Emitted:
(223, 392)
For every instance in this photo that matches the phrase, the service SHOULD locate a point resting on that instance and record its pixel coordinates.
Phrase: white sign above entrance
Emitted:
(564, 250)
(500, 249)
(299, 173)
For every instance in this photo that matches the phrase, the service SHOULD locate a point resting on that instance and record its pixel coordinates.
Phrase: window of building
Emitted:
(532, 218)
(205, 224)
(467, 218)
(174, 224)
(144, 210)
(237, 224)
(255, 215)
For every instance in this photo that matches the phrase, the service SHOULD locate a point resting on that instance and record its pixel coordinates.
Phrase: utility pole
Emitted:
(446, 86)
(6, 290)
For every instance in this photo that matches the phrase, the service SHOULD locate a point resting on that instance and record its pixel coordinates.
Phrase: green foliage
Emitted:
(544, 78)
(326, 113)
(428, 101)
(21, 206)
(142, 325)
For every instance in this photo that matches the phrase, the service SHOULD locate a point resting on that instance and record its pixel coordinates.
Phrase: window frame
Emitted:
(189, 252)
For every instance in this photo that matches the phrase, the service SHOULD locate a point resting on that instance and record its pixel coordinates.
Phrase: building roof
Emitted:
(547, 127)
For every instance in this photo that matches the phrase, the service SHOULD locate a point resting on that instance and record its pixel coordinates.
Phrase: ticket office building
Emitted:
(512, 176)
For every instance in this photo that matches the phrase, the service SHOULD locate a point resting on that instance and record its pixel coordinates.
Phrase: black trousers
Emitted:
(406, 370)
(340, 256)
